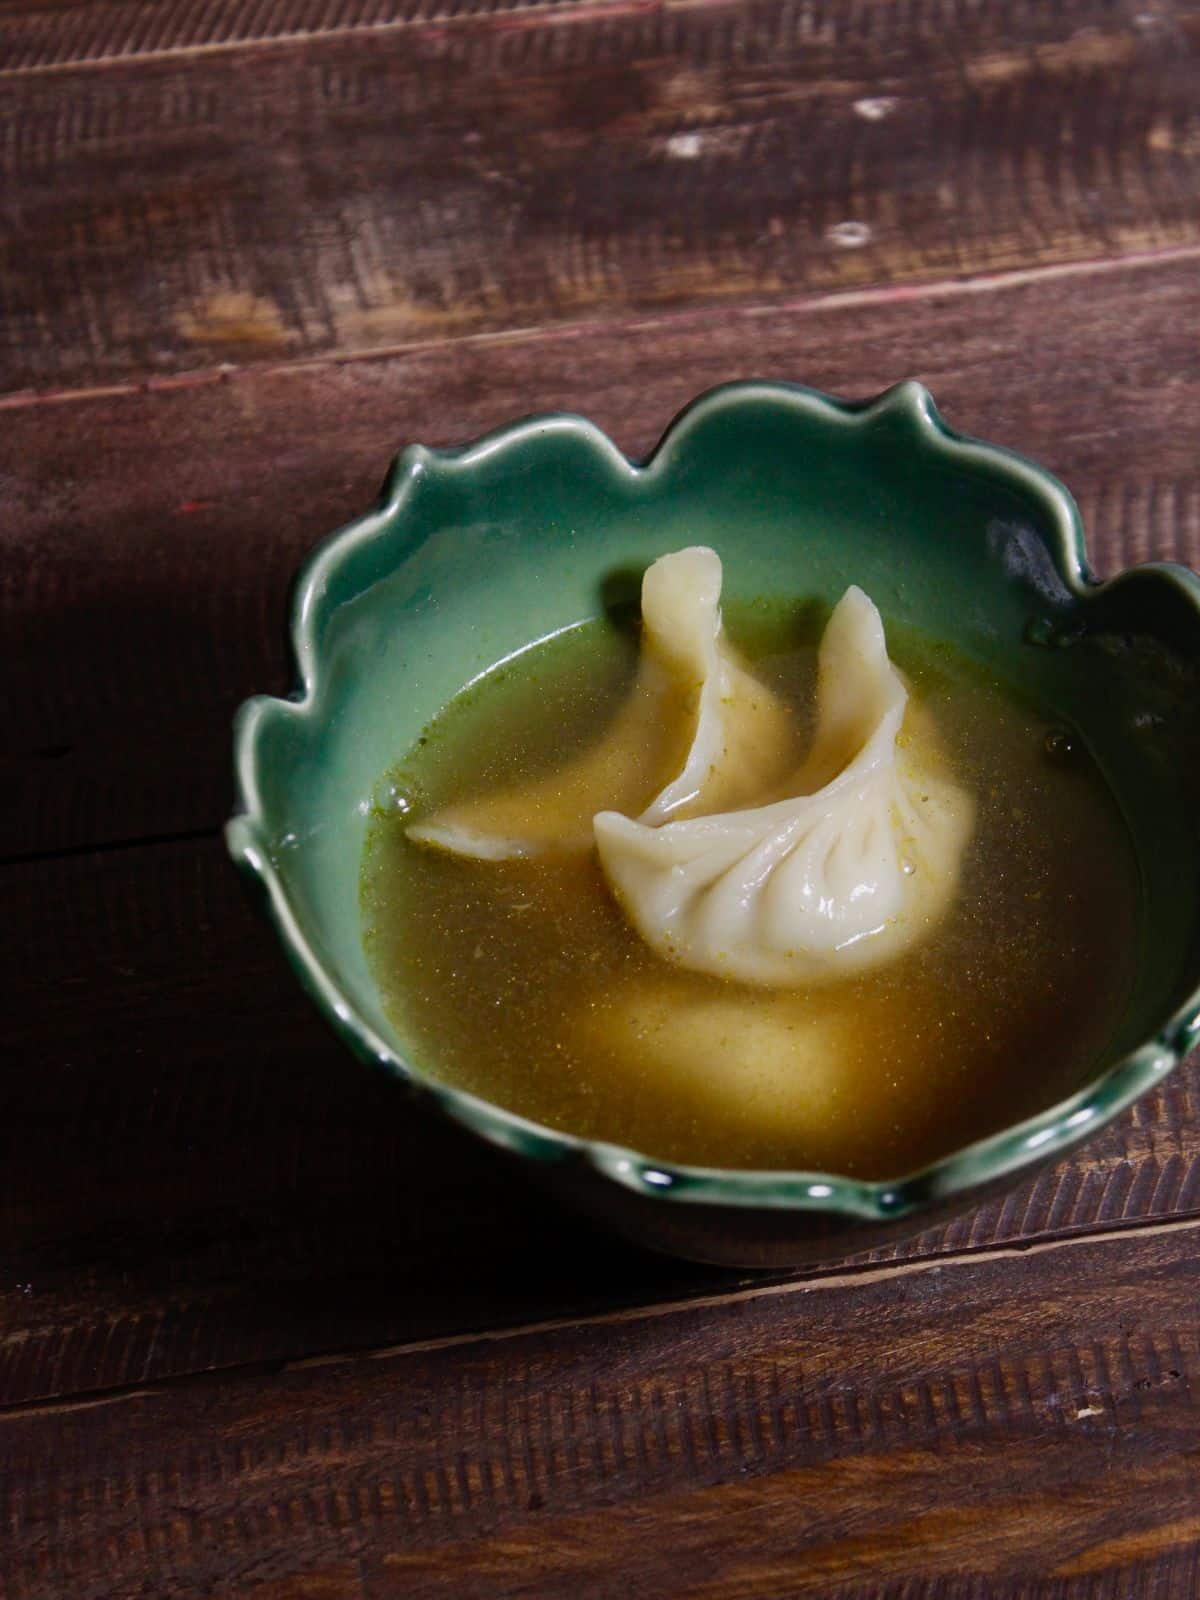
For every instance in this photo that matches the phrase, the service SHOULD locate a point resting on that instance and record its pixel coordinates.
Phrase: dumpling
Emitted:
(786, 1063)
(856, 864)
(698, 733)
(754, 1062)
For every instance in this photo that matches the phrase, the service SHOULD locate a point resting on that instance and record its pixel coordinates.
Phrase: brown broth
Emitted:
(522, 982)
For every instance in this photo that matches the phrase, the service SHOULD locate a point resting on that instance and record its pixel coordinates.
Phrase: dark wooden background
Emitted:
(262, 1333)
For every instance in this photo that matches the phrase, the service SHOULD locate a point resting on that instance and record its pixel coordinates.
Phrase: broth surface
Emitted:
(522, 982)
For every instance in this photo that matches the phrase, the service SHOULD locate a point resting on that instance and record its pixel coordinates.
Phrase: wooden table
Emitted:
(262, 1333)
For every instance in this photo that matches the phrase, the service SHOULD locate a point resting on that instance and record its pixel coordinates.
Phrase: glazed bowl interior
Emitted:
(472, 556)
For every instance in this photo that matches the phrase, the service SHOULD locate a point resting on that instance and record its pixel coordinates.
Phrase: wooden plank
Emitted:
(37, 38)
(340, 193)
(163, 527)
(1013, 1426)
(195, 1175)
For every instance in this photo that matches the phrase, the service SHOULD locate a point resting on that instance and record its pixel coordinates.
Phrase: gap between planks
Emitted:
(831, 1280)
(103, 847)
(632, 323)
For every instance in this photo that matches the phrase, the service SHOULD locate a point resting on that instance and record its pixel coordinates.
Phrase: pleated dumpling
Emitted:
(855, 865)
(698, 733)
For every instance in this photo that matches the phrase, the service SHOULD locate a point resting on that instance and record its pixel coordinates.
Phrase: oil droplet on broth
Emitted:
(521, 981)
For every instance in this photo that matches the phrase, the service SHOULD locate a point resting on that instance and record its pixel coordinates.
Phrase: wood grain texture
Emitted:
(163, 527)
(1014, 1426)
(195, 1175)
(99, 33)
(336, 193)
(265, 1330)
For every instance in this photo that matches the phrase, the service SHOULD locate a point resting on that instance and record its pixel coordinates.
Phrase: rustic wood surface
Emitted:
(506, 166)
(263, 1331)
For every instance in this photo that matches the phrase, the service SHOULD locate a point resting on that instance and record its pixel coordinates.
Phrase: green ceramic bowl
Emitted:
(470, 554)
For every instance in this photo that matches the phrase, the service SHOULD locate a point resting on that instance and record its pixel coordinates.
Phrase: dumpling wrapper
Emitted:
(747, 1064)
(697, 733)
(854, 866)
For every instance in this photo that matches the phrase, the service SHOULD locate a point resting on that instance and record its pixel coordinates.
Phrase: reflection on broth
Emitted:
(519, 977)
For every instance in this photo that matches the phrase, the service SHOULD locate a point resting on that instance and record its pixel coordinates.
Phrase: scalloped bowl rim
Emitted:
(1022, 1144)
